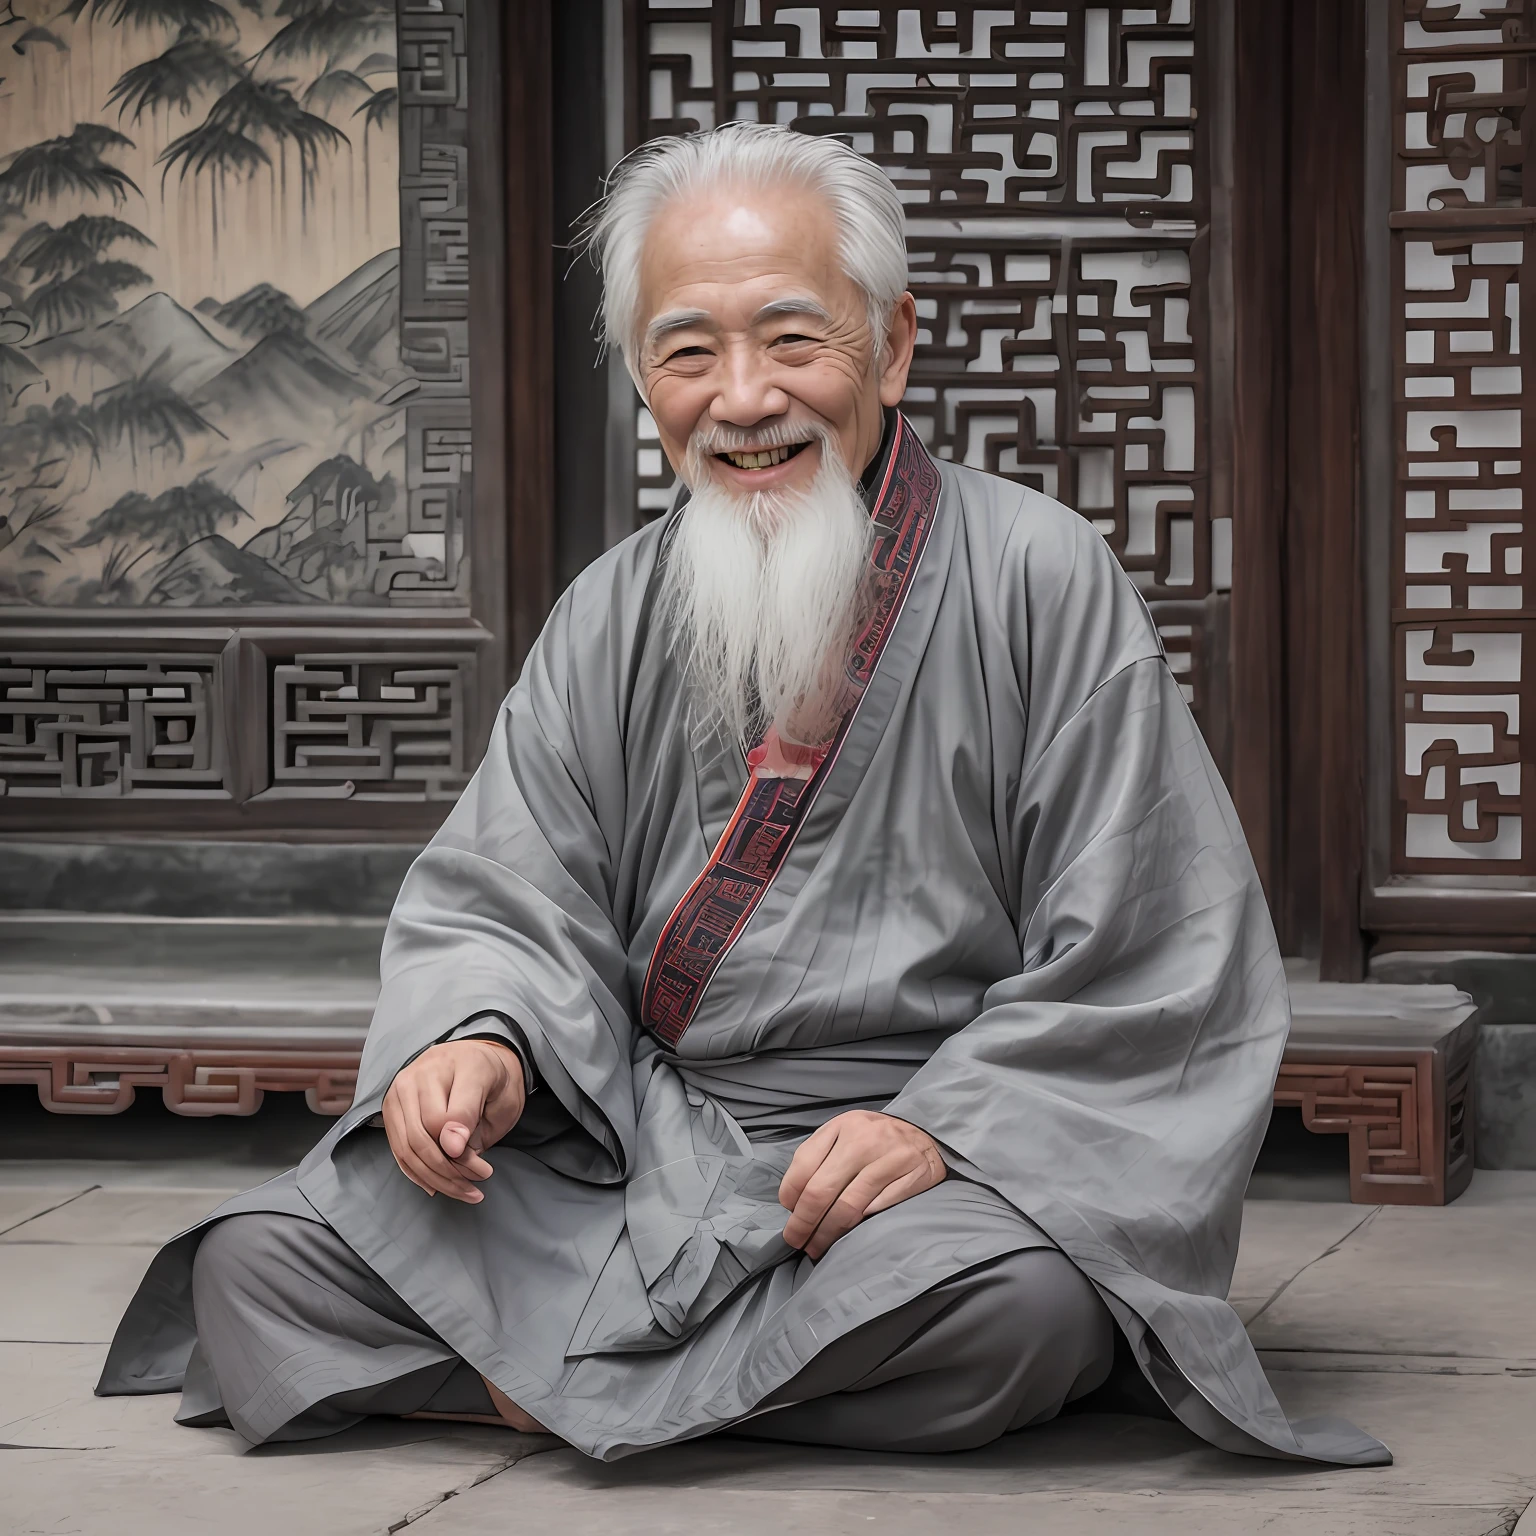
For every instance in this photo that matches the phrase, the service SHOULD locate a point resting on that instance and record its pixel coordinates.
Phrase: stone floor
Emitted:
(1420, 1325)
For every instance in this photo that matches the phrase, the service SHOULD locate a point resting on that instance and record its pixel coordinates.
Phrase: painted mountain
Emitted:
(157, 338)
(200, 375)
(360, 316)
(291, 413)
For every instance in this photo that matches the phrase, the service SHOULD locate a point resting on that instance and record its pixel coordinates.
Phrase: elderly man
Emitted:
(842, 1008)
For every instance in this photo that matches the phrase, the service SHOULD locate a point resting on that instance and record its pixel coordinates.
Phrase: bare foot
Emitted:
(511, 1415)
(507, 1416)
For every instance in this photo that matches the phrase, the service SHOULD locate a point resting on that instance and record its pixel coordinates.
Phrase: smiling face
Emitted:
(756, 344)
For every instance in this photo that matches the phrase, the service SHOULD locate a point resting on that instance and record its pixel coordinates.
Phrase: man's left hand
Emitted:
(856, 1164)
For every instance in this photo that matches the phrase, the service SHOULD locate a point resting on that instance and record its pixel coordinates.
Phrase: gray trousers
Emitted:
(997, 1349)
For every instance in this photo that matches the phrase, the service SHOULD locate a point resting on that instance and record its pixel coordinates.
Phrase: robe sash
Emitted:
(757, 840)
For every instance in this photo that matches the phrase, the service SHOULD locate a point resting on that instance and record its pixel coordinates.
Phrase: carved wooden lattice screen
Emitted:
(1053, 165)
(1463, 207)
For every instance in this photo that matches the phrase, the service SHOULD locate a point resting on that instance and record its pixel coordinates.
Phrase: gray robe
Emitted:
(1019, 913)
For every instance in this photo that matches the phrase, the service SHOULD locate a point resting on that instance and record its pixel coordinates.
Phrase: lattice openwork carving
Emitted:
(1462, 226)
(111, 726)
(379, 726)
(1378, 1104)
(418, 552)
(1406, 1113)
(1052, 166)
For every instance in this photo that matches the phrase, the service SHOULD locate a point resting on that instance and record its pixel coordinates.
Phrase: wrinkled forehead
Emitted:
(726, 254)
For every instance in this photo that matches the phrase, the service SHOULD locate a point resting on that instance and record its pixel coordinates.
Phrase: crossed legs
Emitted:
(284, 1307)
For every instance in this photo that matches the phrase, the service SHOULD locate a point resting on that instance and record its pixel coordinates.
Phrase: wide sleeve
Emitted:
(1116, 1089)
(510, 910)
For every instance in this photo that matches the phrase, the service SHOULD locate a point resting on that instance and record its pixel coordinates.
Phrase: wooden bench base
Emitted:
(96, 1079)
(1398, 1084)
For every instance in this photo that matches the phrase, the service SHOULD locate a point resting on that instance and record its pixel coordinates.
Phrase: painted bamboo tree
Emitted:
(317, 86)
(52, 279)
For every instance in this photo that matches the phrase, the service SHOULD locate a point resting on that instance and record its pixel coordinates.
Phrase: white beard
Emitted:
(763, 593)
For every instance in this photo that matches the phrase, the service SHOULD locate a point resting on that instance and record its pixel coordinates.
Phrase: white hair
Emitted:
(865, 204)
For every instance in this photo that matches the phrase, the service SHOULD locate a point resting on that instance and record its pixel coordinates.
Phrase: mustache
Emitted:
(718, 437)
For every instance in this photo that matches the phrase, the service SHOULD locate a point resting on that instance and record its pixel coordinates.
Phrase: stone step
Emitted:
(207, 979)
(217, 1011)
(191, 879)
(214, 1012)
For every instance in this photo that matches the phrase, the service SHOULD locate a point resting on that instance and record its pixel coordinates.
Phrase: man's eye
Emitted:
(687, 352)
(791, 338)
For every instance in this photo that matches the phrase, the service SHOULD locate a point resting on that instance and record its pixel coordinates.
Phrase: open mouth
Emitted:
(763, 458)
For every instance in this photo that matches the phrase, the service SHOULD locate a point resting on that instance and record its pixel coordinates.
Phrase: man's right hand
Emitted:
(447, 1107)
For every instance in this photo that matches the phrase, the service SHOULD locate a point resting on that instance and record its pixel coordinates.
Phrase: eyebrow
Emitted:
(685, 319)
(795, 306)
(673, 320)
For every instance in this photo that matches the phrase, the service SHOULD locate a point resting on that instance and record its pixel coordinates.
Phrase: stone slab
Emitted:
(1459, 1275)
(22, 1204)
(1280, 1238)
(191, 951)
(70, 1461)
(193, 878)
(1080, 1513)
(233, 1169)
(1507, 1187)
(1505, 1097)
(1430, 1005)
(1502, 985)
(223, 983)
(120, 1216)
(1465, 1447)
(119, 1467)
(1345, 1362)
(1465, 1439)
(67, 1293)
(1460, 1420)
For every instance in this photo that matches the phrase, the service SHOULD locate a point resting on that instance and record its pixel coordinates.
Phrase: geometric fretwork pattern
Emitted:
(1379, 1104)
(1407, 1117)
(373, 726)
(1464, 668)
(77, 725)
(1071, 368)
(101, 1078)
(1052, 166)
(417, 551)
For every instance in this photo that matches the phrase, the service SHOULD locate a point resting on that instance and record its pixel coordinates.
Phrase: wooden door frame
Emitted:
(527, 211)
(1294, 97)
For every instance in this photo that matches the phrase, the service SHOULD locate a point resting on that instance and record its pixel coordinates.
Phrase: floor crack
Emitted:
(68, 1200)
(484, 1475)
(1360, 1225)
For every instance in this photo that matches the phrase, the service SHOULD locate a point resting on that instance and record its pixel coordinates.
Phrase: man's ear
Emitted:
(896, 359)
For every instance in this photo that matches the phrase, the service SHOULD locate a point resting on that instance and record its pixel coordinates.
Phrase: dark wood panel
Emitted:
(489, 302)
(1324, 636)
(527, 54)
(1258, 430)
(1469, 912)
(581, 378)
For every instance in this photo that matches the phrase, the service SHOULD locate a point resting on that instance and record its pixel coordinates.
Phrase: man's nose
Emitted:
(747, 392)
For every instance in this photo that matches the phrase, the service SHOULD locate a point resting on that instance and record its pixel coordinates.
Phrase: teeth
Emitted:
(764, 459)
